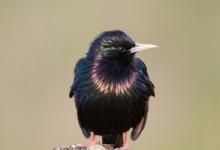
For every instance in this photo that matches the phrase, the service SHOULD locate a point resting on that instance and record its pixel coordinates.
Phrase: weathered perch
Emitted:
(84, 147)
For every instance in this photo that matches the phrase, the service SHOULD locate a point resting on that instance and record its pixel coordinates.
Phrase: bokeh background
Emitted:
(40, 42)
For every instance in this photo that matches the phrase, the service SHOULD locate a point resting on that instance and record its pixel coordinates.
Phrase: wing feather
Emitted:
(76, 69)
(150, 92)
(73, 87)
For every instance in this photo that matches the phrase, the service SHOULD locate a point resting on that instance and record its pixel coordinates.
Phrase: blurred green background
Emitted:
(40, 41)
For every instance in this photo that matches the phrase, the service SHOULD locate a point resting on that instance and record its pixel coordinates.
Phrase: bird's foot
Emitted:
(125, 147)
(92, 140)
(125, 141)
(91, 143)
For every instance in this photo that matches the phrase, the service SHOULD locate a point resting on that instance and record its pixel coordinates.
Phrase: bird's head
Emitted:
(115, 45)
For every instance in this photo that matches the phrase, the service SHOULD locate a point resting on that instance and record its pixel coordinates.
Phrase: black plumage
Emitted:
(111, 89)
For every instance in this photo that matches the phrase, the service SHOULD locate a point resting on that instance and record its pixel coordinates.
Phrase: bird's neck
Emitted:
(110, 76)
(113, 65)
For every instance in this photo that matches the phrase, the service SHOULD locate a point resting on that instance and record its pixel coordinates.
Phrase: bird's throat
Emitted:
(112, 78)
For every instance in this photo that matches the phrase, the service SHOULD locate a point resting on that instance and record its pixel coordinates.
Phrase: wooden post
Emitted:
(84, 147)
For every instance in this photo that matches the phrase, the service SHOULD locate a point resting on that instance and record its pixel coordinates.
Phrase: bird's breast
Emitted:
(114, 81)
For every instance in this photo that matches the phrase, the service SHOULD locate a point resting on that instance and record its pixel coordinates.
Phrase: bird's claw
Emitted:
(125, 147)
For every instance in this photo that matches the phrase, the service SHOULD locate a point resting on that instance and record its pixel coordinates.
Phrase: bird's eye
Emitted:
(122, 49)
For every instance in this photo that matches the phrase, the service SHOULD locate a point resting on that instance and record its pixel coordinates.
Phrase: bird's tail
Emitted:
(114, 139)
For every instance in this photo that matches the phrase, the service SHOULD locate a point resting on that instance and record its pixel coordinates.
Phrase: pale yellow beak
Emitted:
(139, 47)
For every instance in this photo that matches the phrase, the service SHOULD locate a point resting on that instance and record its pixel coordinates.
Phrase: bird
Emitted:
(111, 88)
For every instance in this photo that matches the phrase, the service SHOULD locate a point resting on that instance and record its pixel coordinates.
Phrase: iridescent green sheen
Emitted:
(111, 88)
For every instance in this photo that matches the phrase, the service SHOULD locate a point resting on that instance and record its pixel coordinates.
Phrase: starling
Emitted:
(112, 88)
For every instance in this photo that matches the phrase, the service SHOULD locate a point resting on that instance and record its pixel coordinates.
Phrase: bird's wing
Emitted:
(138, 129)
(143, 69)
(77, 66)
(150, 92)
